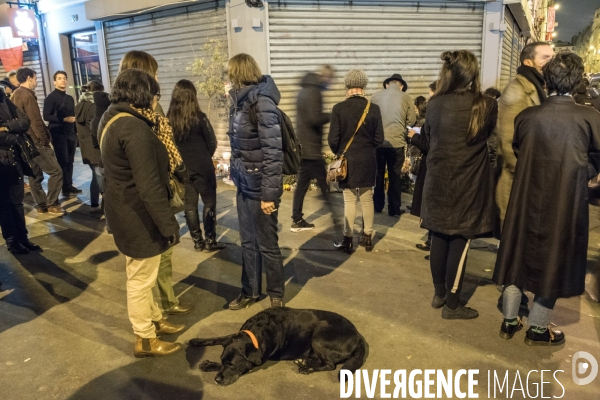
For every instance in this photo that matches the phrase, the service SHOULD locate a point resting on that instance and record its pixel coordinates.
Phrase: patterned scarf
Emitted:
(165, 134)
(355, 92)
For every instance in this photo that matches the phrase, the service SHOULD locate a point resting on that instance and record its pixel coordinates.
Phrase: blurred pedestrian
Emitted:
(256, 169)
(136, 168)
(356, 130)
(458, 194)
(545, 237)
(90, 154)
(311, 118)
(397, 113)
(45, 163)
(197, 143)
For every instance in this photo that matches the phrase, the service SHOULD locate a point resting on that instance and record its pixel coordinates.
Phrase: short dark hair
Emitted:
(92, 86)
(563, 73)
(59, 72)
(493, 93)
(433, 86)
(24, 73)
(135, 87)
(529, 51)
(421, 104)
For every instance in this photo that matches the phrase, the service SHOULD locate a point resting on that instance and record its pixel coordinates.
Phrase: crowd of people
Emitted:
(484, 163)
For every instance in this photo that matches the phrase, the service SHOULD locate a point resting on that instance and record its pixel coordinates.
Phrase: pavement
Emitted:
(64, 331)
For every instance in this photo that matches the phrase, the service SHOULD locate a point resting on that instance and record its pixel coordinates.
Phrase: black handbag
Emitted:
(28, 153)
(416, 165)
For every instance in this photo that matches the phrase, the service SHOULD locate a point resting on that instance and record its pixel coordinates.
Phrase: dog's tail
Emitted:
(357, 358)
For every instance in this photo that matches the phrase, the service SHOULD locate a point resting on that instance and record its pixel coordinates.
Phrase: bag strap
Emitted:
(362, 119)
(109, 123)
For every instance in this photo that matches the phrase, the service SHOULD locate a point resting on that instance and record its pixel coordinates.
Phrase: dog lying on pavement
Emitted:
(317, 341)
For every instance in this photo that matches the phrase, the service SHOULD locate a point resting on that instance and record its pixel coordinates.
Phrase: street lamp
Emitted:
(556, 6)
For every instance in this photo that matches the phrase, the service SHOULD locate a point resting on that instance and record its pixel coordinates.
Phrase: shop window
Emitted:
(86, 62)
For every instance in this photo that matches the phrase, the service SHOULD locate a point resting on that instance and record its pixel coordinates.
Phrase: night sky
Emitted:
(573, 16)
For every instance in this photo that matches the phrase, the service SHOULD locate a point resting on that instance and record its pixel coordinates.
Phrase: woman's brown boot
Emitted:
(367, 241)
(153, 347)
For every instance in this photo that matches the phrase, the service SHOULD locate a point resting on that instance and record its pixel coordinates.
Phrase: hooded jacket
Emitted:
(84, 114)
(256, 152)
(310, 116)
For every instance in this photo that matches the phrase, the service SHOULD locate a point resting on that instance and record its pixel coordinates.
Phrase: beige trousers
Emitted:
(142, 310)
(365, 196)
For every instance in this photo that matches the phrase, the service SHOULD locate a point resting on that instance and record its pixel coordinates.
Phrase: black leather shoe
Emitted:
(73, 189)
(396, 214)
(438, 302)
(17, 248)
(30, 245)
(507, 331)
(460, 313)
(199, 245)
(427, 257)
(547, 338)
(345, 245)
(423, 246)
(242, 302)
(213, 245)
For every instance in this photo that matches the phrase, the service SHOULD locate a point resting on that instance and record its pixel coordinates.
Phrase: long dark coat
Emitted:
(545, 235)
(458, 196)
(422, 144)
(84, 114)
(136, 179)
(362, 164)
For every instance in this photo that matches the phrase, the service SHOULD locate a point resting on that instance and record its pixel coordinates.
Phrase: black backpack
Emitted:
(292, 149)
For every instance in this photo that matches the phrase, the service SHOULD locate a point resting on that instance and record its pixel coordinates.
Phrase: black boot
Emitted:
(367, 241)
(192, 219)
(210, 223)
(345, 245)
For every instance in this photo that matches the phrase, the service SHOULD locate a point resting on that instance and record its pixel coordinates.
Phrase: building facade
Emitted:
(587, 44)
(288, 38)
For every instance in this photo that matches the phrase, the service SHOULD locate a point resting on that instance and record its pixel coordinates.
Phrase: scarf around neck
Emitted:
(164, 133)
(533, 76)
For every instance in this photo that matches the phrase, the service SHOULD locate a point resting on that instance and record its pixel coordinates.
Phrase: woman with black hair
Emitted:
(84, 115)
(136, 196)
(545, 234)
(196, 141)
(458, 194)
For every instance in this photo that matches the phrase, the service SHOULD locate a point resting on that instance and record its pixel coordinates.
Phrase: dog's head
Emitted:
(239, 356)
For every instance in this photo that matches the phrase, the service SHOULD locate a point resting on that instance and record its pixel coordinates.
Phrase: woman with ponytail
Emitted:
(458, 195)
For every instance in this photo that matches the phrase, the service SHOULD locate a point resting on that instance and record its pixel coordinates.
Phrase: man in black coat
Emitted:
(310, 121)
(545, 235)
(15, 160)
(59, 111)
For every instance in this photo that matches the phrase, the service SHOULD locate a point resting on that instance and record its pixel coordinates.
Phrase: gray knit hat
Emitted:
(356, 78)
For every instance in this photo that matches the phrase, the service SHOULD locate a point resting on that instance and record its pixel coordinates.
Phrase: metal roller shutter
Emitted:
(381, 37)
(512, 44)
(31, 59)
(173, 37)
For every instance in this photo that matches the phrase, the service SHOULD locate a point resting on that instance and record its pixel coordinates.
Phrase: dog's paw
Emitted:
(209, 366)
(196, 342)
(300, 361)
(305, 370)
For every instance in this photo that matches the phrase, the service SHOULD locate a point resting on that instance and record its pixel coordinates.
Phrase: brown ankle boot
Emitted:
(163, 327)
(366, 241)
(153, 347)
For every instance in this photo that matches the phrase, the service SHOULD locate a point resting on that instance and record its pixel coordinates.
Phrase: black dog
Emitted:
(317, 340)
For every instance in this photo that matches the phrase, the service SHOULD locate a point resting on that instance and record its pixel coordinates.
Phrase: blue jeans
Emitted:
(260, 249)
(95, 185)
(540, 313)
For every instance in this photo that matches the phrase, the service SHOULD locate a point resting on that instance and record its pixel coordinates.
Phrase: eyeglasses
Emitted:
(157, 96)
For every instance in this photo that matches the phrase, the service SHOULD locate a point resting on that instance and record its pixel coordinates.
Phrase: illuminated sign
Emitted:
(23, 23)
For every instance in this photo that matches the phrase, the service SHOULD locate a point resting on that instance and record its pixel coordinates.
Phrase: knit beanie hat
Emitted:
(356, 78)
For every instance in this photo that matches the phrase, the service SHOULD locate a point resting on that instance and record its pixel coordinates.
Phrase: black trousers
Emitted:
(65, 145)
(12, 213)
(393, 158)
(309, 169)
(448, 261)
(206, 188)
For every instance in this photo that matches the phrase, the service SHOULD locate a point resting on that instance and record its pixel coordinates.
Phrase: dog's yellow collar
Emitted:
(253, 338)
